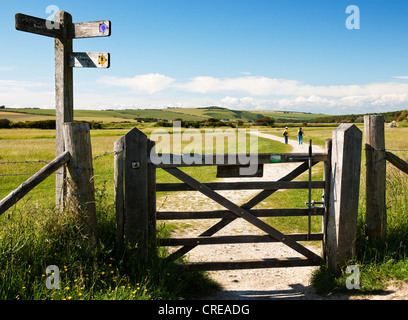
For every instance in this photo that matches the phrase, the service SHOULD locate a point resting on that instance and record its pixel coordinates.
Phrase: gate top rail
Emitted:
(166, 160)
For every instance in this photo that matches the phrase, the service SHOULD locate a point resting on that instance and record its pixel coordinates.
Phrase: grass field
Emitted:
(33, 235)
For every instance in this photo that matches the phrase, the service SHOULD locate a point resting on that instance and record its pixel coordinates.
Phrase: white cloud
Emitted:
(156, 90)
(263, 86)
(252, 85)
(147, 83)
(15, 93)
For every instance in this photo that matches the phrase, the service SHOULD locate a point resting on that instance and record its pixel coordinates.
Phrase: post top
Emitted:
(63, 21)
(347, 127)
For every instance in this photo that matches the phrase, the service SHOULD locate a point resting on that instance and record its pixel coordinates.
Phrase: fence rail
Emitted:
(33, 181)
(172, 160)
(397, 161)
(219, 214)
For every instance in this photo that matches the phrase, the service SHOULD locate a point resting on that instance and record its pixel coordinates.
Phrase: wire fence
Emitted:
(106, 153)
(13, 173)
(397, 150)
(47, 189)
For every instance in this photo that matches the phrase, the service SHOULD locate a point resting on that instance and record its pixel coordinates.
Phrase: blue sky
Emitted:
(290, 55)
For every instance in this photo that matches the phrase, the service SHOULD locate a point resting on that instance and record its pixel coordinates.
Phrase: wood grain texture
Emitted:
(92, 29)
(64, 101)
(81, 190)
(376, 214)
(36, 25)
(344, 195)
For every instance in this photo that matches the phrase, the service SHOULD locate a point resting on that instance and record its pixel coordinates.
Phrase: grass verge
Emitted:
(32, 240)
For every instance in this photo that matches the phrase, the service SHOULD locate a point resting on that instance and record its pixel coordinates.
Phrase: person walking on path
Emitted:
(300, 135)
(286, 135)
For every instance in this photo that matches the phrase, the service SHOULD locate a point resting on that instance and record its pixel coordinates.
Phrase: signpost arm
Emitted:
(63, 94)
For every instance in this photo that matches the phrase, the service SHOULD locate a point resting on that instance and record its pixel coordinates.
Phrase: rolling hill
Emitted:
(169, 114)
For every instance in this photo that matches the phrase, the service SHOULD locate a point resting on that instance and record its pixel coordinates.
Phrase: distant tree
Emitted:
(5, 123)
(265, 121)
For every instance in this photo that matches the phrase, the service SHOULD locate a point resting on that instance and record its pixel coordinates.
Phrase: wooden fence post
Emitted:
(119, 150)
(135, 192)
(344, 195)
(376, 215)
(80, 185)
(64, 105)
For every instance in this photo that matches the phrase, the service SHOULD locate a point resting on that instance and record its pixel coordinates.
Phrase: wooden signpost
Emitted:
(64, 31)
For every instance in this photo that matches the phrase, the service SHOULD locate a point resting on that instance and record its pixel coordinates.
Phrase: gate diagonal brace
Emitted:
(248, 205)
(242, 213)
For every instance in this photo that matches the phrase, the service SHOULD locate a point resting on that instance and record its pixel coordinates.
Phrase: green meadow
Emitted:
(34, 235)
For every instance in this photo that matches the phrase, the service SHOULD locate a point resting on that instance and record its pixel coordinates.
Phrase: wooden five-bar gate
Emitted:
(136, 187)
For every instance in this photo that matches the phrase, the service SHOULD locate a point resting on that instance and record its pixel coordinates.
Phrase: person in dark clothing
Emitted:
(300, 135)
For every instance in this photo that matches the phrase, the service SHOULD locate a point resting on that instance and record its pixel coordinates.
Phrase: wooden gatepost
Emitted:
(135, 191)
(344, 195)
